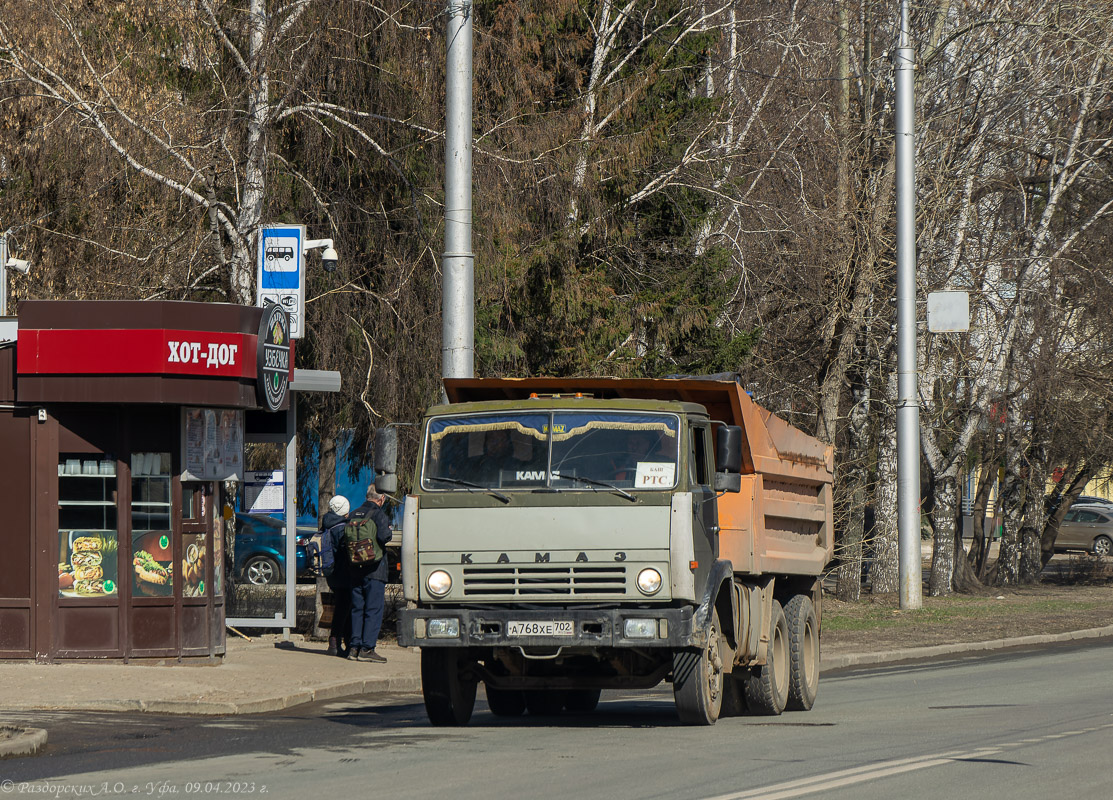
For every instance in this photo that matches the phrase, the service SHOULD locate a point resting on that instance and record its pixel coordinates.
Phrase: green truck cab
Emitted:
(564, 537)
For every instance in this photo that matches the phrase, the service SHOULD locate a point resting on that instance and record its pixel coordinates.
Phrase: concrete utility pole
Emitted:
(908, 404)
(458, 261)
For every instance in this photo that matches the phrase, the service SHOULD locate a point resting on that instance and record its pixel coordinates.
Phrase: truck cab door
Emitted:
(705, 526)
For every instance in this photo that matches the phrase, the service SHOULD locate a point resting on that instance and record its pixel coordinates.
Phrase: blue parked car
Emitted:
(261, 550)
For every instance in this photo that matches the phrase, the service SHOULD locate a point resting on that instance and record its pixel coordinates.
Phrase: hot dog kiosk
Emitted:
(119, 420)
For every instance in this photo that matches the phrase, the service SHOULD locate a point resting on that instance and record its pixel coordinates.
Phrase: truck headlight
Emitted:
(640, 628)
(649, 581)
(438, 583)
(443, 628)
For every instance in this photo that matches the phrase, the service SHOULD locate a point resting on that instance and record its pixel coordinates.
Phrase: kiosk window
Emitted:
(87, 531)
(152, 560)
(195, 557)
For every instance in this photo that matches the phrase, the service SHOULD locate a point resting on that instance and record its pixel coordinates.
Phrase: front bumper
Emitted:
(592, 629)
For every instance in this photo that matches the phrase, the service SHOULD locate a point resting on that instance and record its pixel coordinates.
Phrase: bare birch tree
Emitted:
(193, 104)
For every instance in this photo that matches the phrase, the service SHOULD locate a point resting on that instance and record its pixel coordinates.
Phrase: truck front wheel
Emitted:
(803, 653)
(448, 687)
(697, 679)
(767, 685)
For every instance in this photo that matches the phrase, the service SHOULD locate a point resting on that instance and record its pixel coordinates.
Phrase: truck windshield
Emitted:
(637, 451)
(559, 450)
(498, 451)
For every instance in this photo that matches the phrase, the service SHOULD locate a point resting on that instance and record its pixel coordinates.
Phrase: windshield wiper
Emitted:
(471, 486)
(594, 482)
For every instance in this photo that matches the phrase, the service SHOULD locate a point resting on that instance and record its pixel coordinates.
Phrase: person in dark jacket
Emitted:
(340, 581)
(369, 586)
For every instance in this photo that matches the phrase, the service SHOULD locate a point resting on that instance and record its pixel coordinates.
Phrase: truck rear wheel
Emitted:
(581, 701)
(803, 653)
(697, 679)
(505, 702)
(449, 694)
(767, 685)
(545, 702)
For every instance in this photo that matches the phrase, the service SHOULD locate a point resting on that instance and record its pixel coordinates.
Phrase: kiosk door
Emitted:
(154, 573)
(201, 572)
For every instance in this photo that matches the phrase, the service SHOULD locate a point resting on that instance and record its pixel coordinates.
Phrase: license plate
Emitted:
(545, 628)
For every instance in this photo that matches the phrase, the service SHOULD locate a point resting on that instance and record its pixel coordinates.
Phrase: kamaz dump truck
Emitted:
(566, 536)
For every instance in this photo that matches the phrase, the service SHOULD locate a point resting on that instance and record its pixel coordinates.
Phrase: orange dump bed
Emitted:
(781, 521)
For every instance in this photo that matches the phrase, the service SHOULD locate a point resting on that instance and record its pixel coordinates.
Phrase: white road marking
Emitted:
(842, 777)
(882, 769)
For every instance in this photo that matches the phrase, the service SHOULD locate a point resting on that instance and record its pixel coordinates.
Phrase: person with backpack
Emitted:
(336, 569)
(368, 524)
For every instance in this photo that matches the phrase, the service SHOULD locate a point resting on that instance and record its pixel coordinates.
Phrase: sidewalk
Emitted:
(265, 674)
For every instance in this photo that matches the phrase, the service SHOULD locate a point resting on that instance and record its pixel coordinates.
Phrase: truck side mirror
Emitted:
(728, 450)
(386, 460)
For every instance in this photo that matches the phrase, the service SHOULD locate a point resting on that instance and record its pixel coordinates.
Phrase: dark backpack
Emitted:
(327, 554)
(360, 536)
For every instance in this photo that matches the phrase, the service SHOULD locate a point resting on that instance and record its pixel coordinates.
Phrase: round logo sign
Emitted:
(273, 357)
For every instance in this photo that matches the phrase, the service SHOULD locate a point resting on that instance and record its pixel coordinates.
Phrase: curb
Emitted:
(216, 708)
(25, 742)
(910, 653)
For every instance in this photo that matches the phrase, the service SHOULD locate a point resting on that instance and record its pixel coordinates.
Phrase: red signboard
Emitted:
(136, 352)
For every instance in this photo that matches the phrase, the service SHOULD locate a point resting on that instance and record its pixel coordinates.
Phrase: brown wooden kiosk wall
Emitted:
(110, 423)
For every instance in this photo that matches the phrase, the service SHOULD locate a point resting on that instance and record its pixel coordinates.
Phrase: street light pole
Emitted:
(458, 261)
(908, 406)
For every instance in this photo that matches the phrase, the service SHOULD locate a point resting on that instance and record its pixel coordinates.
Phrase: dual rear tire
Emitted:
(789, 679)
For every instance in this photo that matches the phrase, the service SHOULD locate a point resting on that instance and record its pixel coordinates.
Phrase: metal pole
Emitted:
(3, 275)
(290, 484)
(908, 407)
(458, 261)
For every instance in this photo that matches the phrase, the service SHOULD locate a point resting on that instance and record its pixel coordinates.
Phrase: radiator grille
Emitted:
(544, 581)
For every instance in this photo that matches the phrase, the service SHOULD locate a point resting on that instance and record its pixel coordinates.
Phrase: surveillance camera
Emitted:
(19, 265)
(329, 259)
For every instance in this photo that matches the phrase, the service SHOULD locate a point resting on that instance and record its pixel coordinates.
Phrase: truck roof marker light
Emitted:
(533, 395)
(693, 565)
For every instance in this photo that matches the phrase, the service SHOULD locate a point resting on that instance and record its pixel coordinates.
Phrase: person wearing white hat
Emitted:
(340, 579)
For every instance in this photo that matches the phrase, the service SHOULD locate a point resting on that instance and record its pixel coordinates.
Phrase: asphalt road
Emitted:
(1010, 725)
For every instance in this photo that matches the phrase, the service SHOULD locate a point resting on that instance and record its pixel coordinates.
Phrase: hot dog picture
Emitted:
(149, 570)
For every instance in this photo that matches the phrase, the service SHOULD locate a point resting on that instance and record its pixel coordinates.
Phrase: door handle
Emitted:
(714, 530)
